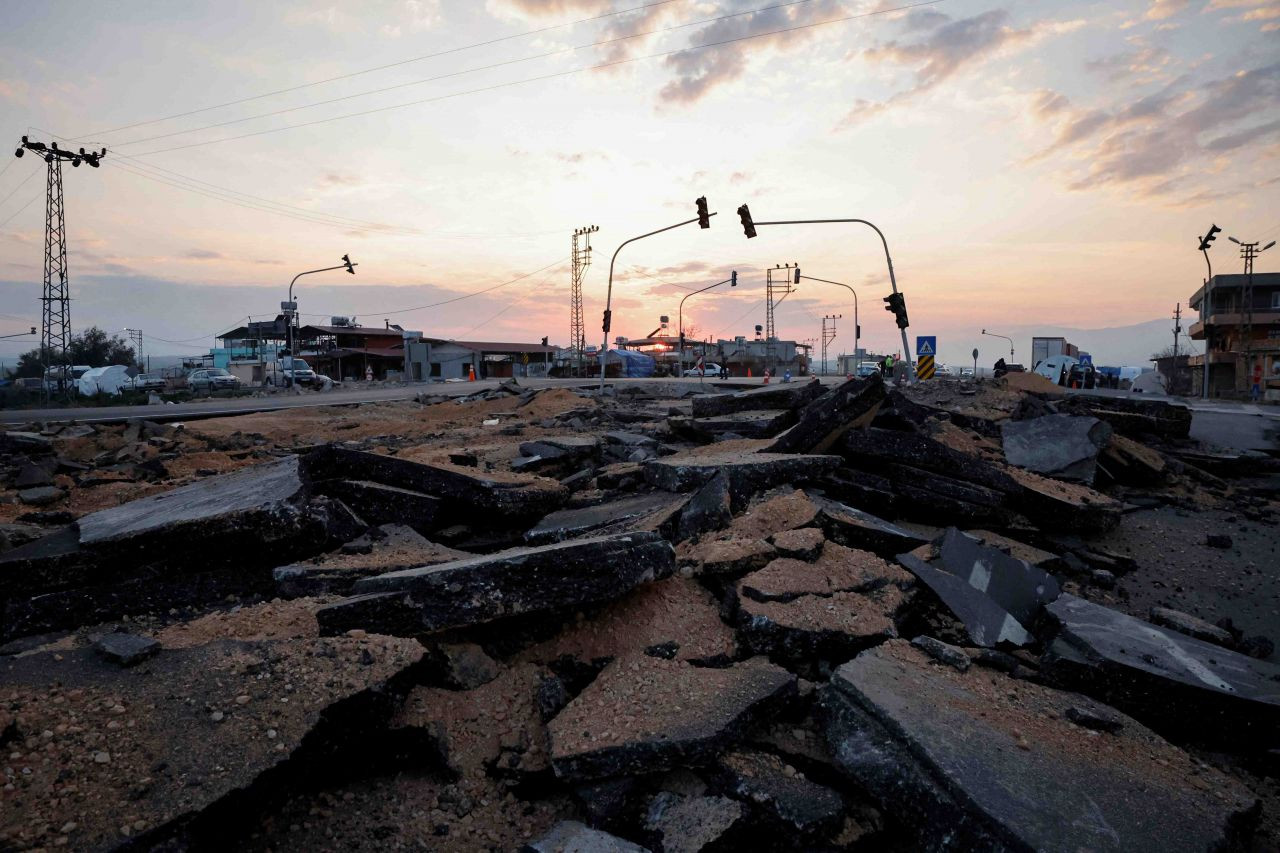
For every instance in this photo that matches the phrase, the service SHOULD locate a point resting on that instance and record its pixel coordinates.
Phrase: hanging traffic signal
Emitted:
(544, 340)
(733, 279)
(350, 266)
(704, 217)
(748, 227)
(1209, 237)
(797, 280)
(897, 304)
(608, 320)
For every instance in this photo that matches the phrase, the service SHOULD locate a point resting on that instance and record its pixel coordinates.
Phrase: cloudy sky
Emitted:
(1029, 162)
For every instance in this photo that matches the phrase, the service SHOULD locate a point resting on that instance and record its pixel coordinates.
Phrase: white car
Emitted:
(145, 382)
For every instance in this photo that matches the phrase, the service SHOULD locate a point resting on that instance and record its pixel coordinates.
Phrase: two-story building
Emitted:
(1242, 331)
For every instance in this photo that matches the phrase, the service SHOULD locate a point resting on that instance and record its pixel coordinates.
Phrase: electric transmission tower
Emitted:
(581, 260)
(55, 317)
(828, 335)
(1248, 251)
(135, 336)
(777, 280)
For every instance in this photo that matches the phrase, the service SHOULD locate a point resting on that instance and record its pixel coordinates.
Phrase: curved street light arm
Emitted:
(1007, 338)
(857, 359)
(680, 355)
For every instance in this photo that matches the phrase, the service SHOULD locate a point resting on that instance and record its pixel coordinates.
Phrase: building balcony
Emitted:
(1222, 321)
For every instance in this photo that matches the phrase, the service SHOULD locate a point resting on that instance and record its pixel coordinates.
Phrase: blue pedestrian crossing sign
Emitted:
(1085, 358)
(926, 345)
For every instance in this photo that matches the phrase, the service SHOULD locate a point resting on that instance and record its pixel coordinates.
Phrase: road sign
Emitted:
(926, 346)
(975, 353)
(1085, 358)
(924, 367)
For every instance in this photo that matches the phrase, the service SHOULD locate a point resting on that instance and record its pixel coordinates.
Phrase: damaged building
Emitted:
(662, 617)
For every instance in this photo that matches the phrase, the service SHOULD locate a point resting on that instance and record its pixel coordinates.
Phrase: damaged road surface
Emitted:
(672, 616)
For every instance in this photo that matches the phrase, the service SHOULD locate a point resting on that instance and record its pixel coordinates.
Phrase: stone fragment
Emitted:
(1218, 540)
(646, 714)
(946, 653)
(125, 649)
(708, 510)
(804, 543)
(615, 516)
(689, 824)
(1172, 681)
(987, 623)
(508, 583)
(796, 805)
(41, 495)
(1185, 623)
(793, 396)
(460, 666)
(1062, 446)
(569, 836)
(30, 476)
(967, 764)
(823, 421)
(1096, 718)
(747, 473)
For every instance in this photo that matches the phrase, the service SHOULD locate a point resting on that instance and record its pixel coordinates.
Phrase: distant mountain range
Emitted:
(1121, 345)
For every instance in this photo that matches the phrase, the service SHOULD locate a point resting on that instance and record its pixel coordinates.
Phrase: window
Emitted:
(435, 368)
(1275, 300)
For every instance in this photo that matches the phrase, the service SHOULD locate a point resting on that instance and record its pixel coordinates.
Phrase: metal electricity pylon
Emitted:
(1248, 251)
(55, 315)
(828, 335)
(581, 260)
(777, 281)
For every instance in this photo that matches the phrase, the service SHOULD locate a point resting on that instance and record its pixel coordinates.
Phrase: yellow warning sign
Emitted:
(924, 367)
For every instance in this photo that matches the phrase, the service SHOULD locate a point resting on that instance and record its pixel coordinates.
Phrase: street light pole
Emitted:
(291, 311)
(993, 335)
(893, 281)
(608, 299)
(857, 330)
(733, 282)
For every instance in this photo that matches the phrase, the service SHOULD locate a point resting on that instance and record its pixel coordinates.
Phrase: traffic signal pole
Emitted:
(703, 219)
(893, 282)
(1206, 304)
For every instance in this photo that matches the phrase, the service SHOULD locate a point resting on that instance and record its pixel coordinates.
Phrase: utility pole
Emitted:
(828, 335)
(1206, 303)
(135, 335)
(1177, 330)
(777, 280)
(55, 316)
(1248, 251)
(581, 257)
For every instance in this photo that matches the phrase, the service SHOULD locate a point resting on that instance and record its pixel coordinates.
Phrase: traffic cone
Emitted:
(471, 373)
(766, 377)
(748, 372)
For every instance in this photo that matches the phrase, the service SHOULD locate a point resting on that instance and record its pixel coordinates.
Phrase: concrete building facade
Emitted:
(1242, 331)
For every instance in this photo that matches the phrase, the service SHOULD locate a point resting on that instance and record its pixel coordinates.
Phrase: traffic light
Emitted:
(704, 218)
(1209, 237)
(897, 303)
(544, 340)
(797, 281)
(350, 266)
(608, 320)
(748, 227)
(733, 279)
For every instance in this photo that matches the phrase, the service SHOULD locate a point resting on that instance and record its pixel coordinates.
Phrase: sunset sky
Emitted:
(1029, 162)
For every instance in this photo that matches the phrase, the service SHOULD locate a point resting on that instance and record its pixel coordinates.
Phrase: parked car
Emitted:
(145, 382)
(966, 373)
(1056, 368)
(290, 370)
(867, 368)
(212, 379)
(942, 370)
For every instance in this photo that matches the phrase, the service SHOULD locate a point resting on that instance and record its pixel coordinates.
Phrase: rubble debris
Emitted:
(968, 764)
(806, 629)
(1061, 446)
(804, 543)
(562, 448)
(460, 666)
(857, 529)
(1130, 463)
(41, 495)
(774, 512)
(520, 580)
(987, 623)
(168, 743)
(709, 509)
(570, 836)
(387, 548)
(749, 424)
(1218, 540)
(733, 556)
(1095, 717)
(946, 653)
(646, 714)
(793, 396)
(125, 649)
(1185, 623)
(377, 503)
(689, 824)
(1017, 586)
(823, 421)
(746, 473)
(795, 804)
(1132, 416)
(1167, 679)
(837, 569)
(615, 516)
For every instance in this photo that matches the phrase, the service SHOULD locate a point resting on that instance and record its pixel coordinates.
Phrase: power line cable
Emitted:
(402, 62)
(552, 76)
(19, 186)
(473, 70)
(6, 220)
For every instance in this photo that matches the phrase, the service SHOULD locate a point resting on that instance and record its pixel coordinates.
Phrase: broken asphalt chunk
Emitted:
(377, 503)
(615, 516)
(746, 473)
(1016, 585)
(508, 583)
(968, 764)
(987, 623)
(1061, 446)
(792, 803)
(569, 836)
(762, 424)
(688, 824)
(647, 714)
(792, 396)
(823, 421)
(858, 529)
(126, 649)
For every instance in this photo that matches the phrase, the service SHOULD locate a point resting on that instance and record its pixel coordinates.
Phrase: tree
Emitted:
(94, 348)
(30, 364)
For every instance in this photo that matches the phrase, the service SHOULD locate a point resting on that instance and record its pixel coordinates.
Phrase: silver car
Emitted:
(212, 379)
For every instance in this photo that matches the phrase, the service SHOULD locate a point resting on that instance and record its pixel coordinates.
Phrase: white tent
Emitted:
(102, 380)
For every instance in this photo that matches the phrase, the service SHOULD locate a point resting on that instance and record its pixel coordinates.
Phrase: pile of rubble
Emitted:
(792, 617)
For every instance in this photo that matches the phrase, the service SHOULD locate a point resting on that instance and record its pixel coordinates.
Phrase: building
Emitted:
(342, 350)
(438, 359)
(1242, 332)
(741, 355)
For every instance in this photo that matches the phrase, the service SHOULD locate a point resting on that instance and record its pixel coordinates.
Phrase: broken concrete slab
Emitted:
(689, 824)
(968, 764)
(1061, 446)
(388, 548)
(794, 804)
(803, 544)
(857, 529)
(987, 623)
(614, 516)
(377, 503)
(792, 396)
(508, 583)
(733, 556)
(41, 495)
(561, 448)
(126, 649)
(709, 509)
(570, 836)
(647, 714)
(1130, 463)
(811, 628)
(1132, 416)
(1017, 586)
(749, 424)
(823, 421)
(186, 754)
(746, 473)
(1168, 679)
(1185, 623)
